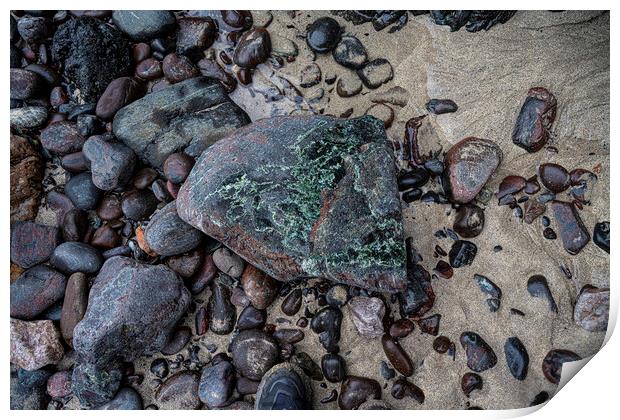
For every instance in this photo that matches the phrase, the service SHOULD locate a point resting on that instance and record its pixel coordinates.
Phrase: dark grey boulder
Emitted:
(82, 192)
(111, 162)
(76, 257)
(132, 310)
(188, 116)
(167, 234)
(28, 388)
(304, 197)
(144, 24)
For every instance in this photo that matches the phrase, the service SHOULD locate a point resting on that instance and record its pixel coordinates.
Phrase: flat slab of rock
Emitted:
(188, 116)
(304, 197)
(132, 309)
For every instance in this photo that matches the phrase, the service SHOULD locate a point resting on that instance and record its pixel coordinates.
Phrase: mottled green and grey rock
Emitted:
(132, 309)
(188, 116)
(304, 196)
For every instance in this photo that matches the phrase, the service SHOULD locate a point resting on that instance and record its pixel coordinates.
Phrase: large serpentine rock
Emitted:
(303, 196)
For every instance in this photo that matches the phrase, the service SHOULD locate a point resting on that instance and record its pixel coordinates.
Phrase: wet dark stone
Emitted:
(188, 264)
(414, 178)
(62, 137)
(553, 361)
(144, 24)
(292, 303)
(245, 386)
(462, 253)
(237, 19)
(469, 165)
(144, 178)
(469, 221)
(124, 294)
(540, 398)
(95, 386)
(480, 356)
(211, 68)
(253, 48)
(166, 234)
(442, 344)
(111, 162)
(531, 130)
(473, 20)
(149, 69)
(326, 323)
(532, 186)
(441, 106)
(179, 392)
(401, 328)
(384, 18)
(259, 287)
(331, 397)
(323, 34)
(592, 308)
(179, 339)
(48, 74)
(517, 358)
(74, 225)
(403, 388)
(350, 52)
(356, 390)
(201, 321)
(28, 389)
(195, 35)
(34, 291)
(32, 243)
(178, 67)
(419, 297)
(554, 177)
(601, 236)
(203, 275)
(222, 311)
(470, 382)
(139, 204)
(118, 93)
(308, 365)
(34, 29)
(125, 399)
(573, 233)
(295, 151)
(492, 290)
(199, 105)
(217, 383)
(412, 195)
(159, 368)
(549, 233)
(288, 336)
(105, 237)
(430, 325)
(24, 84)
(92, 54)
(376, 72)
(74, 305)
(537, 287)
(333, 367)
(254, 353)
(74, 257)
(251, 318)
(511, 184)
(397, 355)
(82, 191)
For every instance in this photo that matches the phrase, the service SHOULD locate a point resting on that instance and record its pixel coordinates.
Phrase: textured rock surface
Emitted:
(188, 116)
(35, 344)
(111, 162)
(32, 243)
(93, 54)
(28, 389)
(307, 196)
(132, 309)
(367, 314)
(26, 177)
(592, 308)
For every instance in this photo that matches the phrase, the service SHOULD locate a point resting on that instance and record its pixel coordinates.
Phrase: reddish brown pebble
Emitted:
(443, 269)
(511, 184)
(204, 276)
(401, 328)
(149, 69)
(105, 237)
(403, 388)
(430, 325)
(177, 167)
(572, 231)
(397, 355)
(554, 177)
(202, 321)
(442, 344)
(531, 130)
(553, 361)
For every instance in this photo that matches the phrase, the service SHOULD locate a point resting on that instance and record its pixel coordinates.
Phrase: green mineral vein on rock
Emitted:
(316, 194)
